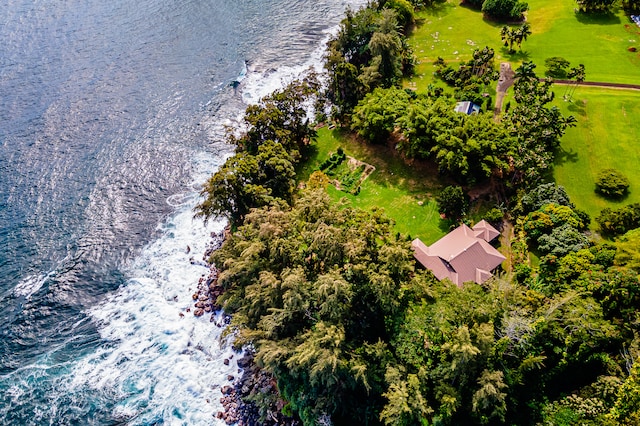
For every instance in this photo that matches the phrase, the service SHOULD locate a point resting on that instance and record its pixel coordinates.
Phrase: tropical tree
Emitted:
(556, 67)
(579, 75)
(280, 117)
(511, 36)
(522, 33)
(246, 181)
(314, 288)
(376, 115)
(507, 35)
(453, 202)
(369, 51)
(537, 127)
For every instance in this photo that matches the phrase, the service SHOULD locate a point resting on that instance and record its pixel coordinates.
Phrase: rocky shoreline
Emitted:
(208, 290)
(253, 400)
(252, 397)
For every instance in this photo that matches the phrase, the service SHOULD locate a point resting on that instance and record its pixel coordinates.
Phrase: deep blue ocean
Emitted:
(112, 115)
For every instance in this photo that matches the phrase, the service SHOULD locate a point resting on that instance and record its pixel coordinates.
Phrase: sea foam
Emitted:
(163, 363)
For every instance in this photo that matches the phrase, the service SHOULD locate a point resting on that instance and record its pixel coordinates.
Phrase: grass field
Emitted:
(600, 42)
(607, 136)
(405, 193)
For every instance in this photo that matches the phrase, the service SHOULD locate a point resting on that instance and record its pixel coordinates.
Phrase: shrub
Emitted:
(618, 221)
(544, 194)
(494, 216)
(612, 184)
(562, 240)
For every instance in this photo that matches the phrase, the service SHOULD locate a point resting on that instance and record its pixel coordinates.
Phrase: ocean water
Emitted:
(112, 115)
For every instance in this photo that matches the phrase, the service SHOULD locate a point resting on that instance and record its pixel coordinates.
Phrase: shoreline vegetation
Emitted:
(316, 272)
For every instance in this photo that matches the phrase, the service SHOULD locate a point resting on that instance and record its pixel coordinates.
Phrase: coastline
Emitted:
(251, 383)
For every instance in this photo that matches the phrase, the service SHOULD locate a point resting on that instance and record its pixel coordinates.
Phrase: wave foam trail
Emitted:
(163, 367)
(30, 285)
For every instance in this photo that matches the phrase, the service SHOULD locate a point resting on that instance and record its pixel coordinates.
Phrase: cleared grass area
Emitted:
(599, 41)
(607, 136)
(405, 193)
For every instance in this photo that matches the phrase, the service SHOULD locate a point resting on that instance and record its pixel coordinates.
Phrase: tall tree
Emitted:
(537, 126)
(579, 75)
(522, 34)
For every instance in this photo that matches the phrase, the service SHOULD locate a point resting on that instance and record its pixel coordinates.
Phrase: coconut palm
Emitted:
(522, 33)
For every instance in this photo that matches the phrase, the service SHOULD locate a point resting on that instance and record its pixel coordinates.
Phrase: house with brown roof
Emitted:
(462, 255)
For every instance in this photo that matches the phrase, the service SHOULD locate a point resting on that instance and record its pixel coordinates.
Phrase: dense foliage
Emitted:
(369, 51)
(471, 148)
(263, 168)
(334, 309)
(610, 183)
(537, 126)
(313, 289)
(468, 147)
(329, 297)
(618, 221)
(505, 9)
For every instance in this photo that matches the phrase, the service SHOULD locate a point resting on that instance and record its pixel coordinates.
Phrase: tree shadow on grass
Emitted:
(615, 200)
(439, 10)
(564, 156)
(446, 225)
(578, 107)
(598, 18)
(309, 155)
(517, 56)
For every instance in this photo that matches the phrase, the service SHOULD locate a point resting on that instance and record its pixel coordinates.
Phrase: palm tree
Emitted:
(578, 74)
(508, 37)
(522, 33)
(525, 72)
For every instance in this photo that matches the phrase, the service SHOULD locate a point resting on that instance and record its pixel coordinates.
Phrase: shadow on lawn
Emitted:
(447, 225)
(517, 56)
(598, 18)
(563, 157)
(578, 107)
(439, 10)
(617, 201)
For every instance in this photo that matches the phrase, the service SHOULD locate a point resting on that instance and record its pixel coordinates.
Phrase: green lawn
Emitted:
(607, 136)
(405, 193)
(600, 42)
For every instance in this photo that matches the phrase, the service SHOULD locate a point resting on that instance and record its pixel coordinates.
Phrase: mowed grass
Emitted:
(607, 136)
(404, 193)
(599, 41)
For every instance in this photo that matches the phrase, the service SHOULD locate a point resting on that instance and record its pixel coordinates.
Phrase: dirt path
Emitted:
(504, 82)
(600, 84)
(507, 78)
